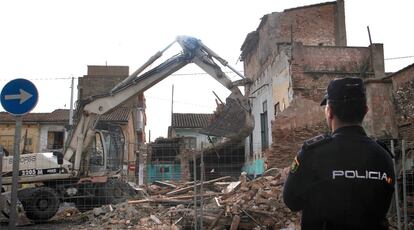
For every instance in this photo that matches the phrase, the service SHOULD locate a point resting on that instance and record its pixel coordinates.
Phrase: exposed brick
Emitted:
(302, 120)
(380, 119)
(313, 67)
(310, 25)
(406, 132)
(101, 79)
(99, 70)
(403, 76)
(403, 91)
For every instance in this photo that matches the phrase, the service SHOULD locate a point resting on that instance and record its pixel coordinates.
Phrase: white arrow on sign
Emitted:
(23, 96)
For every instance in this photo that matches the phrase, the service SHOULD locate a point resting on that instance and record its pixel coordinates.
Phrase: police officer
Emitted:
(343, 180)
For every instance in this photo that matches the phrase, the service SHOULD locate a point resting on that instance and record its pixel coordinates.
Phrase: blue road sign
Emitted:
(19, 96)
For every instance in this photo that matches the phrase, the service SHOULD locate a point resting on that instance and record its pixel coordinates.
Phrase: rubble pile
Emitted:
(242, 204)
(261, 202)
(124, 216)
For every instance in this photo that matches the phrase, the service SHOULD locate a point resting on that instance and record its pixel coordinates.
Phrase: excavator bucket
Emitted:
(230, 120)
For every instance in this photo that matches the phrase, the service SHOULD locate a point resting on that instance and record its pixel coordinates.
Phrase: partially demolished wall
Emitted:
(302, 120)
(404, 106)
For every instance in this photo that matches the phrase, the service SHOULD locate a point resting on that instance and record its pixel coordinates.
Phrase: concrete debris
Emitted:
(243, 204)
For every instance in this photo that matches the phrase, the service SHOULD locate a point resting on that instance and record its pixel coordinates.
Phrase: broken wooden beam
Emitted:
(164, 184)
(235, 222)
(216, 220)
(175, 199)
(191, 187)
(232, 186)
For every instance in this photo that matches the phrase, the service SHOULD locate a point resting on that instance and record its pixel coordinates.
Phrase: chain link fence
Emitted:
(402, 209)
(167, 183)
(170, 185)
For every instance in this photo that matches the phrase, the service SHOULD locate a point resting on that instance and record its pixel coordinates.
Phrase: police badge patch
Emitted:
(295, 165)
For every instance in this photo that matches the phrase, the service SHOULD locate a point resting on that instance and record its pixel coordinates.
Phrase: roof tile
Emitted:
(62, 115)
(190, 120)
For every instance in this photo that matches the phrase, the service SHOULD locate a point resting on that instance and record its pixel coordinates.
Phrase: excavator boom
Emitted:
(80, 173)
(193, 51)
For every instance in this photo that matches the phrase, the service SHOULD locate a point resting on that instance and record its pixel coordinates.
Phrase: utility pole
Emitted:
(370, 48)
(71, 105)
(172, 110)
(1, 172)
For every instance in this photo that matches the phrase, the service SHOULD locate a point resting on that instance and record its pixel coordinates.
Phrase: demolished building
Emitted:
(291, 58)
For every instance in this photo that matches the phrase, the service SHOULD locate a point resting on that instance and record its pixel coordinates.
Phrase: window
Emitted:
(264, 105)
(55, 139)
(164, 169)
(96, 155)
(277, 109)
(264, 127)
(251, 145)
(190, 142)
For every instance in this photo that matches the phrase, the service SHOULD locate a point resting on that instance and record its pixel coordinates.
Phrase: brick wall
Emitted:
(313, 67)
(310, 25)
(380, 119)
(403, 76)
(403, 90)
(332, 58)
(302, 120)
(101, 79)
(98, 70)
(95, 85)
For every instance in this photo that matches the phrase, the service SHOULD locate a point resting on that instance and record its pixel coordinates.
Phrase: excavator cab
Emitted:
(105, 154)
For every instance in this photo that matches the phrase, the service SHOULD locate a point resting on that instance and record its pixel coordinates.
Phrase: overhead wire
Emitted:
(397, 58)
(178, 102)
(68, 78)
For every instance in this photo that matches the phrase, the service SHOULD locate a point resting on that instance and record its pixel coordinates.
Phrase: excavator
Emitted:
(83, 173)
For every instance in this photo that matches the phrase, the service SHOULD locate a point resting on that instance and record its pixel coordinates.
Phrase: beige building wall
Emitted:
(282, 83)
(7, 137)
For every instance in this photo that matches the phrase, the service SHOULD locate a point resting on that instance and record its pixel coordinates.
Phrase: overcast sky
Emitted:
(48, 42)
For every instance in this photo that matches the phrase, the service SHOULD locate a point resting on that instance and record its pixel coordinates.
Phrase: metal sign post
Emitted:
(16, 160)
(1, 167)
(1, 177)
(18, 97)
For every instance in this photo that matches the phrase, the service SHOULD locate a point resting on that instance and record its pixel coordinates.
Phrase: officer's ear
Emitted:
(328, 112)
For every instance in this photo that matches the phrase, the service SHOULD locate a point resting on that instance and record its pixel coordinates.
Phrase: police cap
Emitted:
(344, 89)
